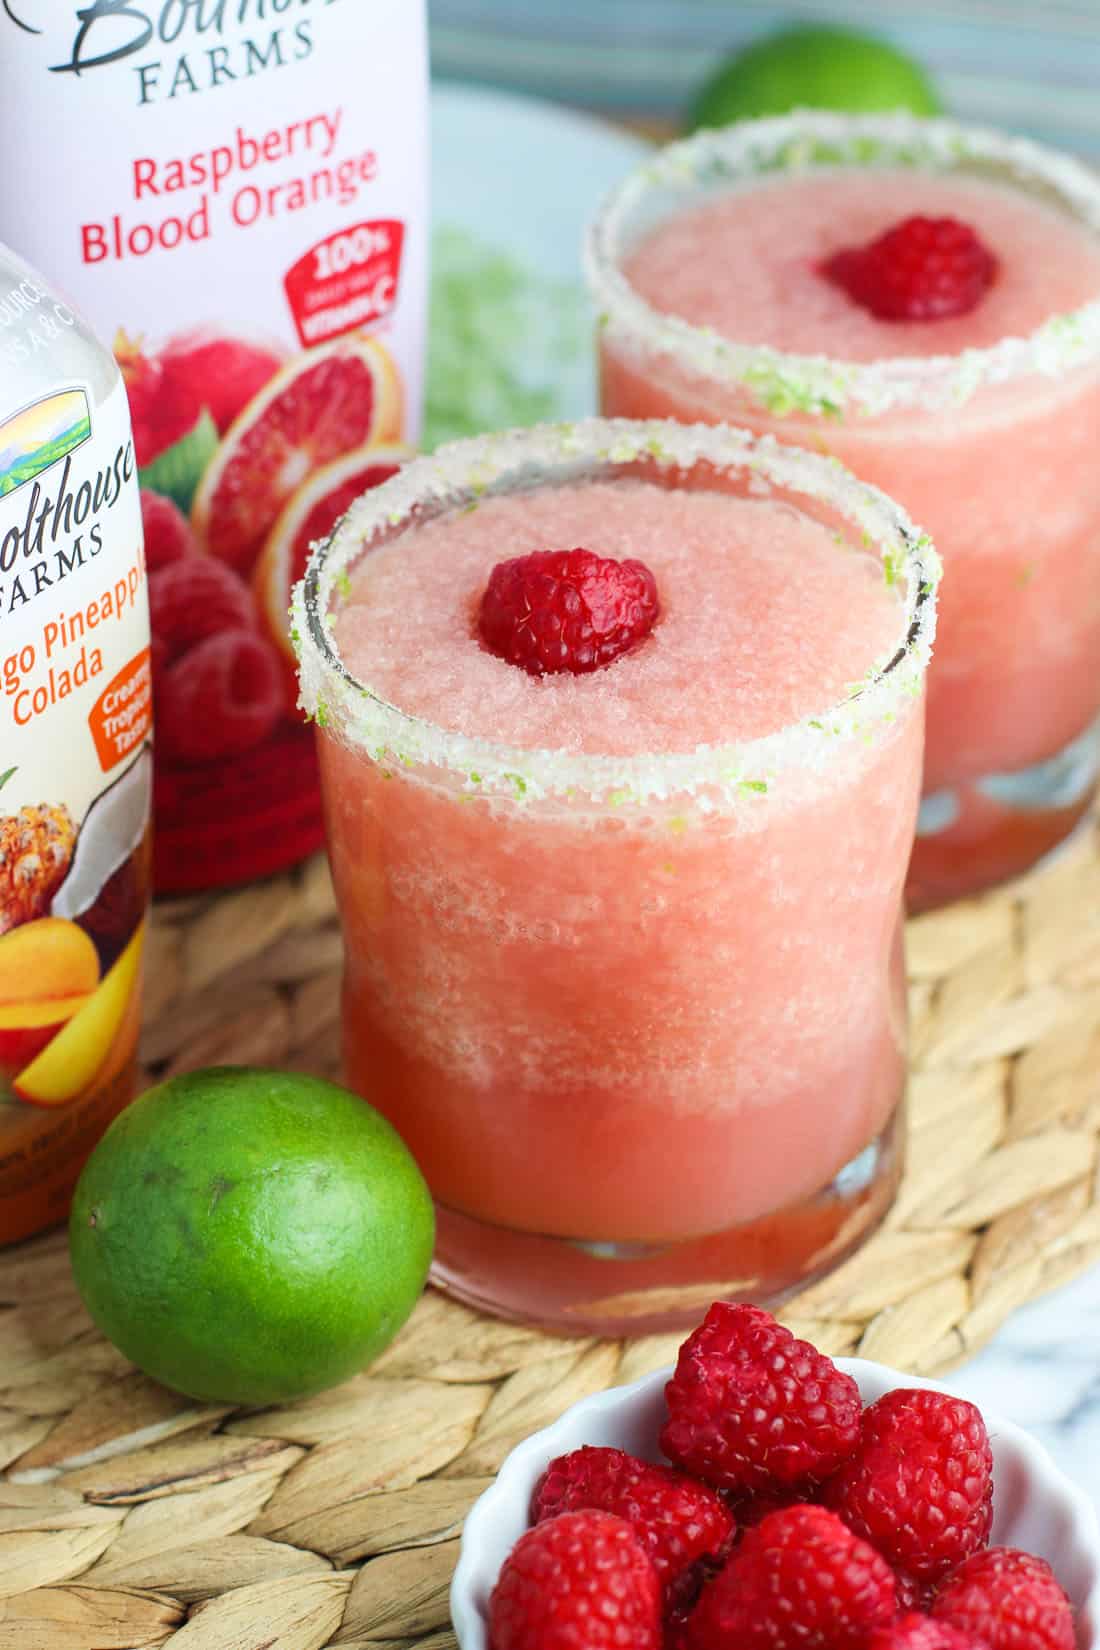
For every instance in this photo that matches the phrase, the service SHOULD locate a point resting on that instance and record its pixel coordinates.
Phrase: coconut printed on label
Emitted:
(252, 240)
(75, 793)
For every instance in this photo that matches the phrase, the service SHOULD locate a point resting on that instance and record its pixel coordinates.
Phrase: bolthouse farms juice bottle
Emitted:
(235, 194)
(75, 758)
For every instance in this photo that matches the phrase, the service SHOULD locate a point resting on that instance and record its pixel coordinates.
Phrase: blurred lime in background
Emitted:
(813, 67)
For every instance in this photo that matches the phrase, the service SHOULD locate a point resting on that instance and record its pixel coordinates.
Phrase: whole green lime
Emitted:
(813, 67)
(250, 1236)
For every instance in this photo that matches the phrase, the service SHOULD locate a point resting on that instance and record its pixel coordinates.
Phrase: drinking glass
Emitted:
(640, 1018)
(993, 450)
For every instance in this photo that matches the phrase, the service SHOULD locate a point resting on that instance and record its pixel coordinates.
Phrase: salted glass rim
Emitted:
(460, 474)
(784, 381)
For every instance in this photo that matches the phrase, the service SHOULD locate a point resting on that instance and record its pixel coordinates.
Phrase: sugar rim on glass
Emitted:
(807, 140)
(458, 475)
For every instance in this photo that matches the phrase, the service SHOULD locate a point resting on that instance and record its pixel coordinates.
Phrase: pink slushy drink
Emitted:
(623, 954)
(715, 274)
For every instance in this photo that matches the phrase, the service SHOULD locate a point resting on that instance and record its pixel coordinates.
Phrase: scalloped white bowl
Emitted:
(1035, 1505)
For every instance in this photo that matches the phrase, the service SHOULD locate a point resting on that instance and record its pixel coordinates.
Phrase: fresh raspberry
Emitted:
(750, 1407)
(223, 373)
(682, 1593)
(192, 599)
(566, 610)
(168, 534)
(580, 1581)
(223, 696)
(749, 1510)
(923, 269)
(676, 1631)
(676, 1519)
(1009, 1600)
(919, 1486)
(799, 1581)
(914, 1631)
(913, 1595)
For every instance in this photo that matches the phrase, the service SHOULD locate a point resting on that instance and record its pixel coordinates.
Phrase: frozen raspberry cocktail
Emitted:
(622, 729)
(921, 300)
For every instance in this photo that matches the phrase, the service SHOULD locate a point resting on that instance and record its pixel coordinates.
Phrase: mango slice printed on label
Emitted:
(49, 969)
(68, 1064)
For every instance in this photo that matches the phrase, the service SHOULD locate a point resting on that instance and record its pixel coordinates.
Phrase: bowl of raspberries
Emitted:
(761, 1496)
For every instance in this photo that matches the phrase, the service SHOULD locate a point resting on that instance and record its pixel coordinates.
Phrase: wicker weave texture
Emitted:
(130, 1517)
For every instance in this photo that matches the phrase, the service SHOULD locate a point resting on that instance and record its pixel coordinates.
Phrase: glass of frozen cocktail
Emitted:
(921, 300)
(621, 731)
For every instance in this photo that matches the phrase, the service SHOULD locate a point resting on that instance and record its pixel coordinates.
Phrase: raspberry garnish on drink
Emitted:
(922, 269)
(566, 610)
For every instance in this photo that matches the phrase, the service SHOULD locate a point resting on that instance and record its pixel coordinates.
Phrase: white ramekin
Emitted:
(1035, 1505)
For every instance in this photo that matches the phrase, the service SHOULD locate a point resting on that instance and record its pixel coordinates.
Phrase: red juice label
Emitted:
(240, 209)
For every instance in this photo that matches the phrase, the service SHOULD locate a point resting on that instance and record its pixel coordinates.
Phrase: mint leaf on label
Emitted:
(177, 471)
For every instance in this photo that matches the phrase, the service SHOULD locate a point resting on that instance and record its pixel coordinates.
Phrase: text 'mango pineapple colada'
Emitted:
(774, 275)
(623, 944)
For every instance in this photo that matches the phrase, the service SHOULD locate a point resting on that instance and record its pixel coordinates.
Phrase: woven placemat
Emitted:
(130, 1517)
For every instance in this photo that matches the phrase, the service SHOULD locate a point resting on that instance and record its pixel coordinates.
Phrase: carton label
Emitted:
(247, 226)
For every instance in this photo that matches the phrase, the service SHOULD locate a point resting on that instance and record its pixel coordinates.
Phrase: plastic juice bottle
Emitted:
(249, 228)
(75, 757)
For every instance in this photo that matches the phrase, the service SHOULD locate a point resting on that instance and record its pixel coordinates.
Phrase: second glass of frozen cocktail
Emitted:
(621, 733)
(921, 300)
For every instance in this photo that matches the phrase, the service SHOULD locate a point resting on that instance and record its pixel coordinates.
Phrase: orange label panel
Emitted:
(347, 282)
(122, 715)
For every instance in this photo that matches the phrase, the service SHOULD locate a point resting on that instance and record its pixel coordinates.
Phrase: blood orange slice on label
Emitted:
(322, 405)
(310, 515)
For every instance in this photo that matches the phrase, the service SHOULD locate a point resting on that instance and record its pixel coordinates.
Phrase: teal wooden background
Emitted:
(1031, 67)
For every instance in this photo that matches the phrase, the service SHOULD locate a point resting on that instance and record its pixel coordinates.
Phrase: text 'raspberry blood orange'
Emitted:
(259, 260)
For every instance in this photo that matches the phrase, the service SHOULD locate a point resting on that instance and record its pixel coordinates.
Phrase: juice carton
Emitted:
(236, 195)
